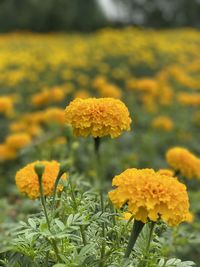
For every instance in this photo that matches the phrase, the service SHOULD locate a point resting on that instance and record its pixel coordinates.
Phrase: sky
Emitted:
(111, 10)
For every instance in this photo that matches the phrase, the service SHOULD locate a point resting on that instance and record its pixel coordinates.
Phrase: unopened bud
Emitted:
(39, 169)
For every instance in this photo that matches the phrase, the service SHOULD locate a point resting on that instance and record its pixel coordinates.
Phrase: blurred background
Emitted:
(79, 15)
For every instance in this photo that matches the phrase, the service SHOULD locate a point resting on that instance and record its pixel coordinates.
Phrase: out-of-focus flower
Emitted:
(6, 106)
(163, 123)
(189, 99)
(18, 140)
(55, 115)
(7, 153)
(180, 159)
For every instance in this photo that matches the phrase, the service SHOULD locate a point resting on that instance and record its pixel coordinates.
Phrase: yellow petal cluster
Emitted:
(6, 105)
(47, 96)
(18, 140)
(7, 153)
(163, 123)
(151, 195)
(180, 159)
(27, 180)
(55, 115)
(98, 117)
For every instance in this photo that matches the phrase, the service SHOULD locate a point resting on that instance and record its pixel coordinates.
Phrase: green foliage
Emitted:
(32, 243)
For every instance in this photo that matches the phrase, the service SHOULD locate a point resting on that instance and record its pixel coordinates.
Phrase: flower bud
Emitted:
(39, 169)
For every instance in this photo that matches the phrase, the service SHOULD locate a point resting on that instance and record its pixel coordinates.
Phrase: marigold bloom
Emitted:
(166, 172)
(6, 153)
(55, 115)
(18, 140)
(98, 117)
(151, 195)
(163, 123)
(6, 105)
(27, 180)
(180, 159)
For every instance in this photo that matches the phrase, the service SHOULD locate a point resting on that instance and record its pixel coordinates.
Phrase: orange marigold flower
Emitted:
(27, 180)
(18, 140)
(151, 195)
(55, 115)
(166, 172)
(6, 153)
(6, 105)
(180, 159)
(98, 117)
(163, 123)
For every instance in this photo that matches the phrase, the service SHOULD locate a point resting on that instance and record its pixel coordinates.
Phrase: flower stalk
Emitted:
(136, 230)
(39, 169)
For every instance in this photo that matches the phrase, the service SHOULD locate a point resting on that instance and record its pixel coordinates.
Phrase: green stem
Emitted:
(152, 224)
(55, 190)
(43, 202)
(76, 209)
(137, 228)
(46, 215)
(103, 247)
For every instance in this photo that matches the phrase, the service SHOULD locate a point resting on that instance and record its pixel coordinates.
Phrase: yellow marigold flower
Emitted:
(6, 106)
(166, 172)
(127, 216)
(57, 94)
(18, 140)
(188, 99)
(163, 123)
(6, 153)
(40, 99)
(180, 159)
(82, 94)
(32, 128)
(27, 180)
(55, 115)
(146, 85)
(110, 90)
(98, 117)
(151, 195)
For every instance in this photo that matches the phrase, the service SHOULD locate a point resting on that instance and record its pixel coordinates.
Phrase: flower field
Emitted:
(99, 149)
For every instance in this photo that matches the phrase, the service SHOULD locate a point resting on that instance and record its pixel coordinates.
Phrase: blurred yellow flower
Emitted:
(18, 140)
(55, 115)
(180, 159)
(163, 123)
(7, 153)
(6, 106)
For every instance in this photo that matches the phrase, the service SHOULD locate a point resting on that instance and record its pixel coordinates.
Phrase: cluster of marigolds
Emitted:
(149, 194)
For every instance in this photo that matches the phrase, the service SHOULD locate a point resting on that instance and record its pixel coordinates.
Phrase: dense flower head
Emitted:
(180, 159)
(98, 117)
(151, 195)
(27, 179)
